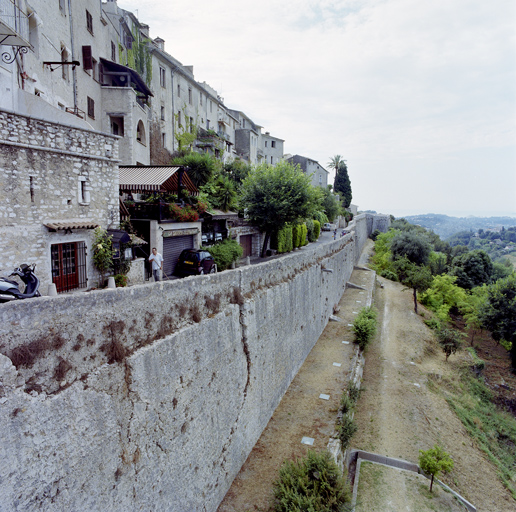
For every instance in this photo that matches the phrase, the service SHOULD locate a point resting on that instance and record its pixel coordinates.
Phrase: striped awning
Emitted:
(67, 225)
(141, 179)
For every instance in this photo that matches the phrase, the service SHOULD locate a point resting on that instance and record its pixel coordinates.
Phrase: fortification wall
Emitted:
(152, 397)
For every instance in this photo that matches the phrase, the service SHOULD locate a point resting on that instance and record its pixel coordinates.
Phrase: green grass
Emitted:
(493, 430)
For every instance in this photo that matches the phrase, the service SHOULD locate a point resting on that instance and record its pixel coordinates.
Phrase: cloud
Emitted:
(390, 84)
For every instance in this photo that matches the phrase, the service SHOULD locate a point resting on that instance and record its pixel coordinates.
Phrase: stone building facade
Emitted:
(312, 168)
(57, 183)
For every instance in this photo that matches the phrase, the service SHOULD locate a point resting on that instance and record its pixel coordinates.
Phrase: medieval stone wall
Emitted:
(152, 397)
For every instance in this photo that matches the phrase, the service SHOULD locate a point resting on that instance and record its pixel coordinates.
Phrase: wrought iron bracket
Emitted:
(53, 65)
(8, 58)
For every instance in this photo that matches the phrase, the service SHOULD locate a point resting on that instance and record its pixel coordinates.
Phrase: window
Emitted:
(86, 58)
(273, 143)
(179, 120)
(271, 160)
(178, 91)
(62, 6)
(140, 133)
(117, 125)
(64, 58)
(191, 125)
(320, 179)
(68, 266)
(190, 95)
(162, 77)
(162, 113)
(113, 51)
(200, 99)
(83, 191)
(164, 140)
(89, 22)
(91, 108)
(211, 106)
(265, 143)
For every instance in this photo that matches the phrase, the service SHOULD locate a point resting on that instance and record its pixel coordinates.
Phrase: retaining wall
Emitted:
(152, 397)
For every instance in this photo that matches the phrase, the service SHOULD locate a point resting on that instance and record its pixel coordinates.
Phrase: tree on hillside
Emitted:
(498, 313)
(412, 245)
(417, 278)
(472, 268)
(273, 196)
(435, 461)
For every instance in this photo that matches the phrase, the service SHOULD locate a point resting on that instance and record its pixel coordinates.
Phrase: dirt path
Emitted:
(397, 414)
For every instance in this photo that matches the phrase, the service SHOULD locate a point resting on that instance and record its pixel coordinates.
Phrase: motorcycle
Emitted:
(9, 289)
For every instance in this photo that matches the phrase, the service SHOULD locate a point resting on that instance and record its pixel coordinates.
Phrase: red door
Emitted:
(64, 266)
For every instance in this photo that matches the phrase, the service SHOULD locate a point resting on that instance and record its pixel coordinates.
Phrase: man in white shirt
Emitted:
(157, 263)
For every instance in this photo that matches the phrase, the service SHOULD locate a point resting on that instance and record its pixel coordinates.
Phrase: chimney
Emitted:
(144, 29)
(160, 43)
(189, 68)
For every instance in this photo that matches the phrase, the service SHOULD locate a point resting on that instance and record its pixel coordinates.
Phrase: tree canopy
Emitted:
(472, 268)
(435, 460)
(273, 196)
(498, 313)
(412, 245)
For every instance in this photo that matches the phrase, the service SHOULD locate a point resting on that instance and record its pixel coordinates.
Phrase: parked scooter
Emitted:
(9, 289)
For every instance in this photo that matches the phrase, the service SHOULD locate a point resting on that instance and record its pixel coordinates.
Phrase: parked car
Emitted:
(327, 227)
(194, 262)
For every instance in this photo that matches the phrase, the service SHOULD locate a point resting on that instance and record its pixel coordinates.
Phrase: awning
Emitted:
(141, 179)
(68, 225)
(114, 67)
(219, 214)
(119, 236)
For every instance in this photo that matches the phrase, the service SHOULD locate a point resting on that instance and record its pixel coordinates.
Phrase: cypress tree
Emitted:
(342, 184)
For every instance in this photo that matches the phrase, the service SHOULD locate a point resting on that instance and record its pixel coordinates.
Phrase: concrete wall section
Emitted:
(152, 397)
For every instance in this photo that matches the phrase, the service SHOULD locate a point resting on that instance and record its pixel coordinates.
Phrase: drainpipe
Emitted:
(74, 70)
(173, 110)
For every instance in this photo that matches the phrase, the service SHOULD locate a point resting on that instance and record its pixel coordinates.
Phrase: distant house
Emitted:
(312, 168)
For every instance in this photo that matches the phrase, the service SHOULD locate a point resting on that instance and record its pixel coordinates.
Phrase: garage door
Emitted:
(172, 247)
(246, 241)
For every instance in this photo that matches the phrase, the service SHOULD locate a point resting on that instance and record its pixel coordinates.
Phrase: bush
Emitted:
(346, 429)
(450, 340)
(285, 239)
(364, 326)
(297, 236)
(225, 253)
(317, 229)
(388, 274)
(121, 280)
(311, 484)
(304, 234)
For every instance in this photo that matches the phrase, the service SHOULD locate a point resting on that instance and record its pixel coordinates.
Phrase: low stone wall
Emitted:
(152, 397)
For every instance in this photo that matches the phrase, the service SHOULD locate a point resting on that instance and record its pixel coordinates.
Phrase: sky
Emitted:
(418, 97)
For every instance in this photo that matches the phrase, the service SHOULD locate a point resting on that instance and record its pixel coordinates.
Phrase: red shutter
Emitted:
(87, 62)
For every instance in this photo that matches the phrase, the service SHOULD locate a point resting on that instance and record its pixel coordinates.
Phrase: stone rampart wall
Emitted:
(152, 397)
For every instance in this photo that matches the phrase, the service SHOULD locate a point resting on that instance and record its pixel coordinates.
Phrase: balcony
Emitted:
(14, 25)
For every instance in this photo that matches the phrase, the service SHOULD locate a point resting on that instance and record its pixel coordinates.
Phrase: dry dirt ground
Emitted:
(397, 414)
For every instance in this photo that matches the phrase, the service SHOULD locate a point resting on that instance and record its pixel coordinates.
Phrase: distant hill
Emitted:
(446, 226)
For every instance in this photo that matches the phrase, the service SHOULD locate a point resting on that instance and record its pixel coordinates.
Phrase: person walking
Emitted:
(157, 263)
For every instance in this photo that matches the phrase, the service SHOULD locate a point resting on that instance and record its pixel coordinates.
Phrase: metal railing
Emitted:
(13, 21)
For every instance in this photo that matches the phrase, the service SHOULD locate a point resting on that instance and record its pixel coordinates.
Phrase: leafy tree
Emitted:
(412, 245)
(330, 204)
(237, 170)
(450, 340)
(472, 268)
(434, 461)
(276, 195)
(200, 167)
(498, 314)
(443, 295)
(437, 263)
(416, 277)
